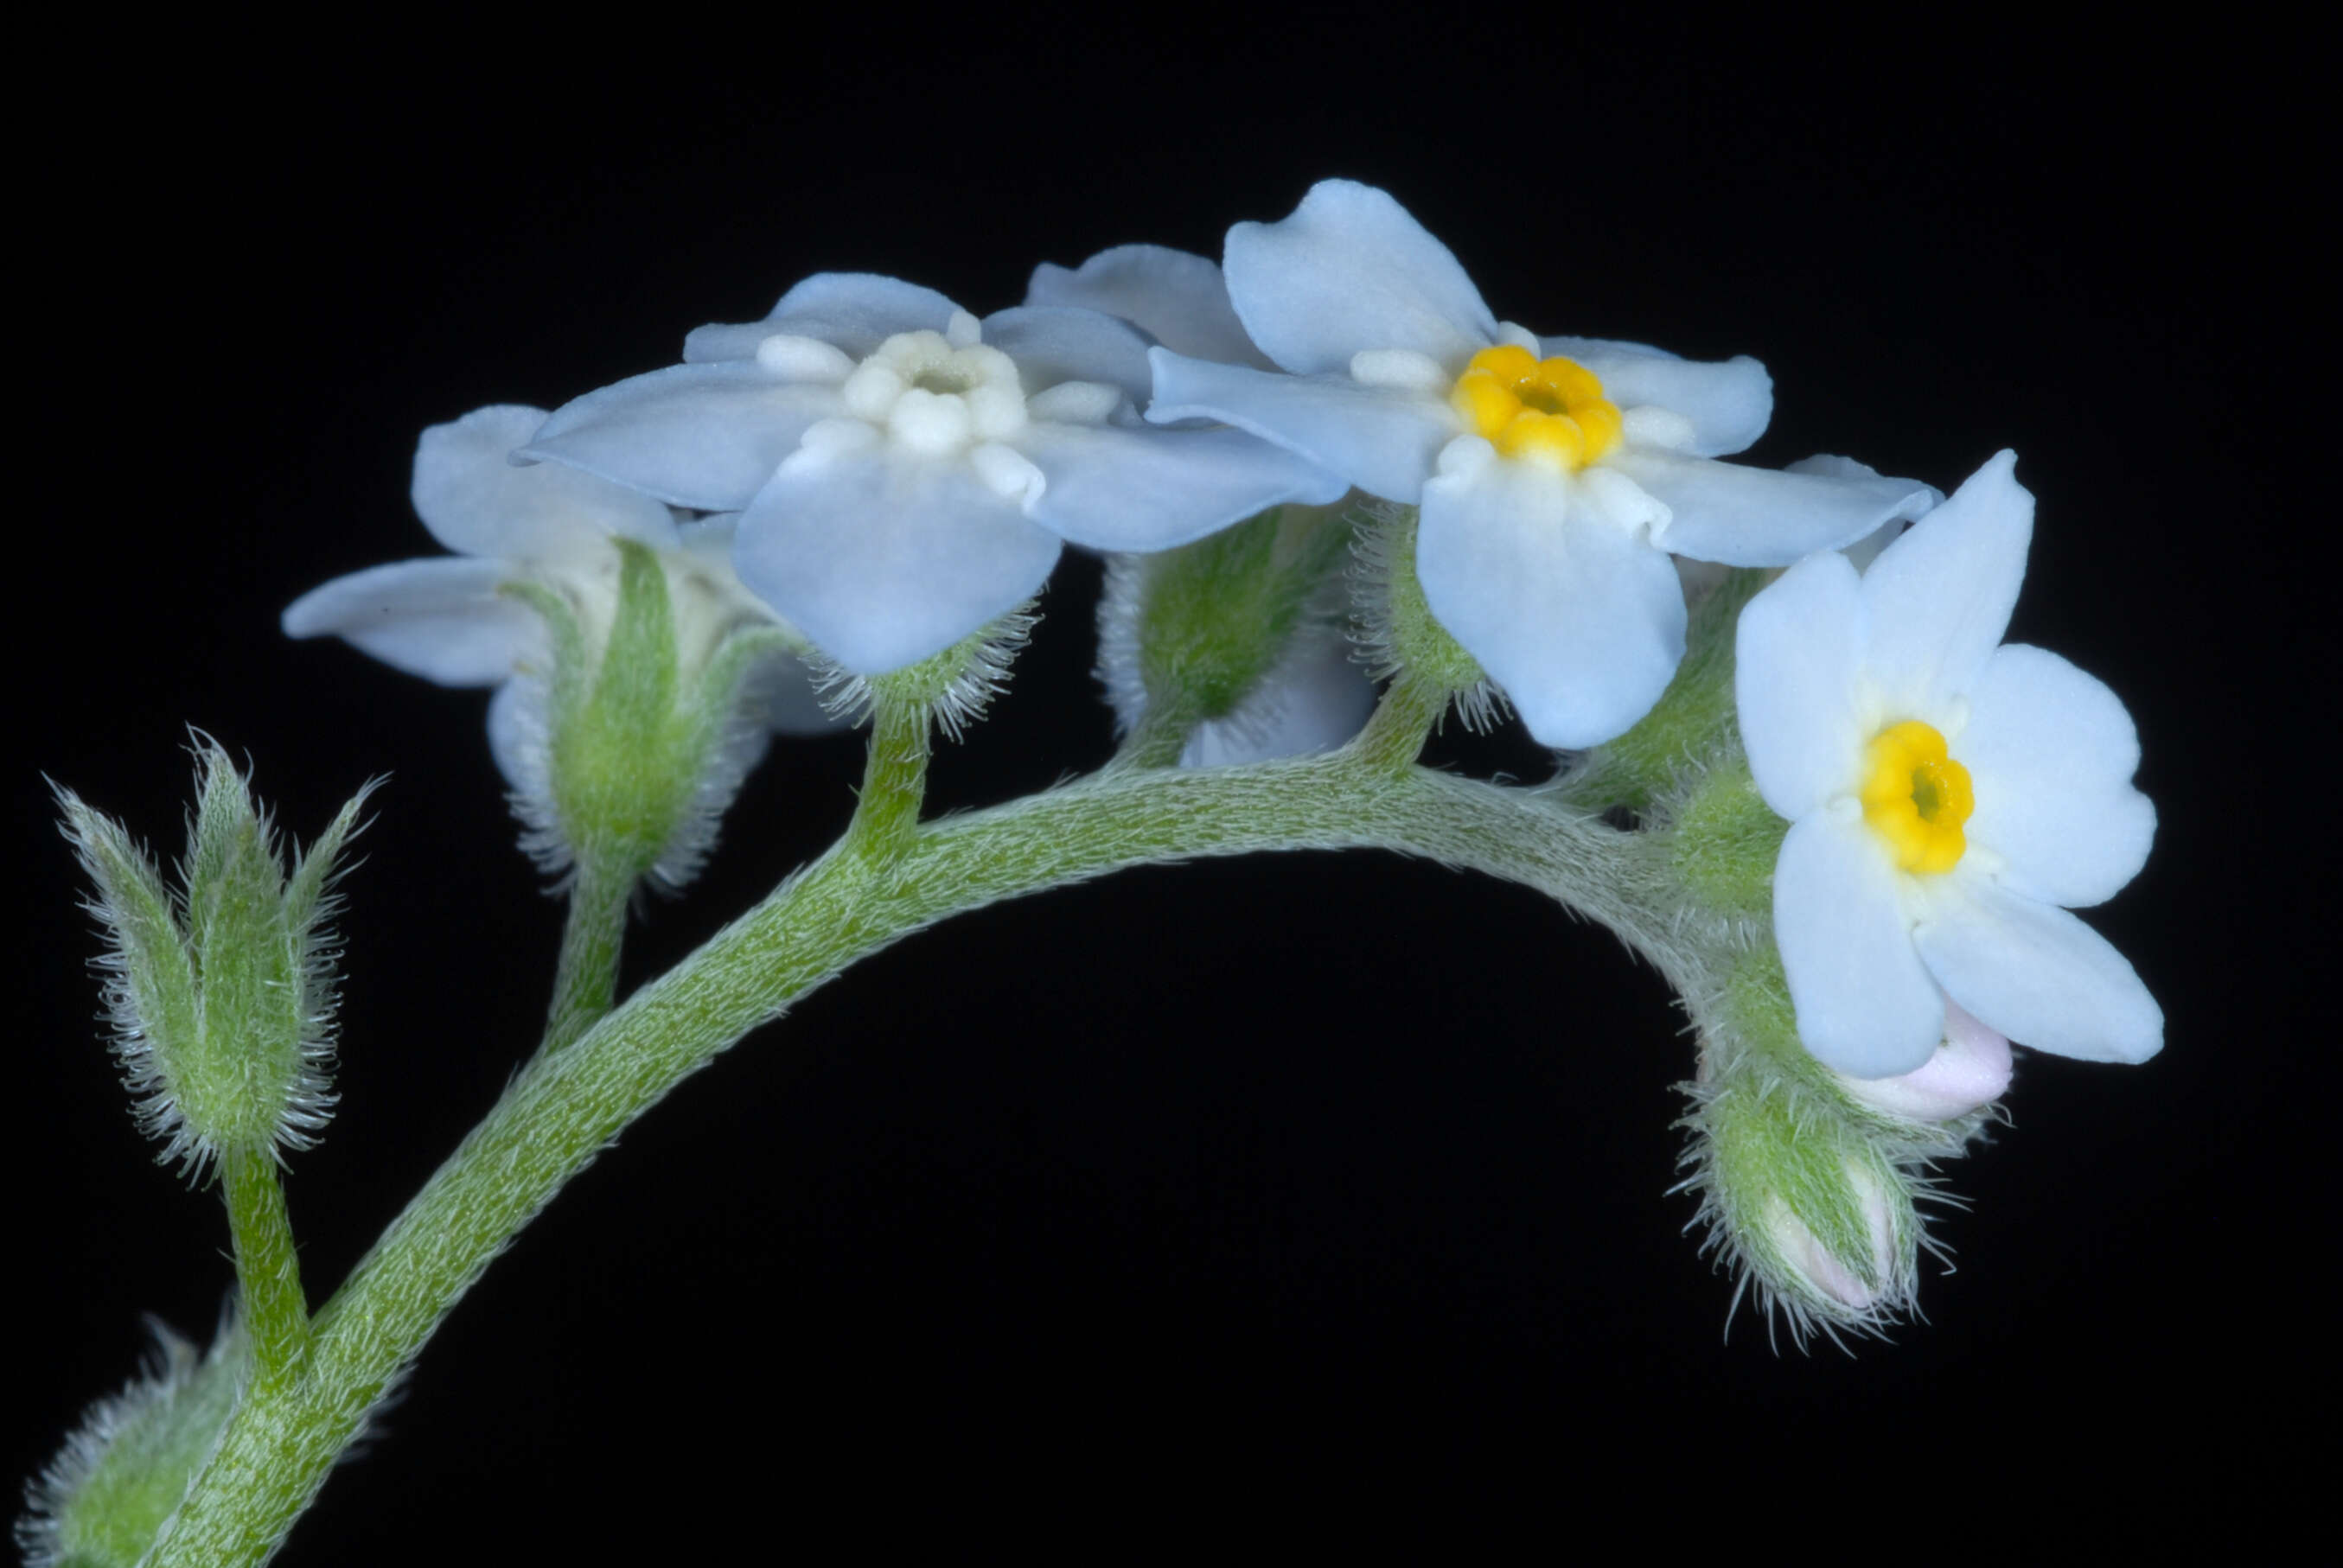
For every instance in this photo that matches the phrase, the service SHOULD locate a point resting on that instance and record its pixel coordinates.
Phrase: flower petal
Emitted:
(1056, 343)
(882, 558)
(476, 503)
(1579, 619)
(2037, 974)
(517, 735)
(1864, 1003)
(1760, 518)
(1138, 487)
(441, 618)
(1178, 298)
(857, 311)
(707, 437)
(1729, 402)
(1382, 440)
(2050, 752)
(1795, 668)
(1350, 270)
(1939, 598)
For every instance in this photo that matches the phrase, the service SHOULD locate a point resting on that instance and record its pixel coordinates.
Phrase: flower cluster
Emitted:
(873, 479)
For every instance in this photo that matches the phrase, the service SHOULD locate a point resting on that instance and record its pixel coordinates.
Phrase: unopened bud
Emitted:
(222, 996)
(1969, 1071)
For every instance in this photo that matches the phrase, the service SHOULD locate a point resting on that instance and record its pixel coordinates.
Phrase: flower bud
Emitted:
(123, 1471)
(222, 995)
(1238, 639)
(1969, 1071)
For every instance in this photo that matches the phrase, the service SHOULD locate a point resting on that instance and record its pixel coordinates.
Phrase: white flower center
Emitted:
(936, 394)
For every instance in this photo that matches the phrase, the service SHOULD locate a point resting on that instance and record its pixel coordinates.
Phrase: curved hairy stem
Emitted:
(568, 1105)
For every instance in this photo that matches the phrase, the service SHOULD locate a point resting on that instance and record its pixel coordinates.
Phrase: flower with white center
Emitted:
(451, 619)
(1555, 475)
(1950, 799)
(907, 473)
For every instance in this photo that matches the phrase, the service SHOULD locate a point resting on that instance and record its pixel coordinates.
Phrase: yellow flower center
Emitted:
(1550, 411)
(1916, 797)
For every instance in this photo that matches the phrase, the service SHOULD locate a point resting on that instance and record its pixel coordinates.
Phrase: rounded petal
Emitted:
(1865, 550)
(1175, 296)
(707, 437)
(1579, 619)
(1351, 270)
(2050, 752)
(1939, 598)
(883, 560)
(441, 618)
(1795, 669)
(857, 311)
(1864, 1003)
(1382, 440)
(477, 503)
(1760, 518)
(1729, 403)
(1138, 487)
(1314, 700)
(1055, 343)
(517, 735)
(2037, 974)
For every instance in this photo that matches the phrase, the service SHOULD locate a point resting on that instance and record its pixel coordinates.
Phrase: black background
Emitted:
(1245, 1179)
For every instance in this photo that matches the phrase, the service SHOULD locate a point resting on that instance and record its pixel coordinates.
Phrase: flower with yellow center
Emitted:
(1556, 476)
(1950, 797)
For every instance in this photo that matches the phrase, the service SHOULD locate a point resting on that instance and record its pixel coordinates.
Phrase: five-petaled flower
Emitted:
(1555, 475)
(449, 620)
(1950, 797)
(907, 473)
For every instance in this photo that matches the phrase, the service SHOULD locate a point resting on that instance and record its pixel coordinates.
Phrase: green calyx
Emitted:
(1214, 617)
(125, 1470)
(641, 724)
(1724, 840)
(222, 993)
(1402, 634)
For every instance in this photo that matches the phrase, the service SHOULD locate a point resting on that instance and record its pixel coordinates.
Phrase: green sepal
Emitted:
(1215, 617)
(232, 1076)
(123, 1471)
(1401, 633)
(1724, 839)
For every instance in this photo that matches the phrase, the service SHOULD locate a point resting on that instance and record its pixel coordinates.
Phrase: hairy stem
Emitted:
(894, 777)
(268, 1269)
(566, 1107)
(587, 982)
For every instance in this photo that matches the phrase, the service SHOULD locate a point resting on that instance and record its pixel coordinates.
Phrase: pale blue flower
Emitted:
(445, 619)
(1544, 543)
(907, 473)
(1950, 799)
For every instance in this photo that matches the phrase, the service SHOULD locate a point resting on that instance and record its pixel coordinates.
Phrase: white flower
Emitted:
(907, 473)
(1947, 795)
(445, 619)
(1555, 475)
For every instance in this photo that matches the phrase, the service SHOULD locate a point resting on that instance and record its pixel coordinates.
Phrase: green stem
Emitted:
(587, 982)
(268, 1269)
(566, 1108)
(894, 777)
(1159, 737)
(1401, 723)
